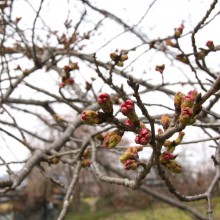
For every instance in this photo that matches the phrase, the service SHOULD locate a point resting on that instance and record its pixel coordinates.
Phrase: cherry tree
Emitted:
(112, 79)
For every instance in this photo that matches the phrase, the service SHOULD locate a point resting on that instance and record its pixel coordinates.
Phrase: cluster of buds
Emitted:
(113, 138)
(144, 136)
(129, 158)
(167, 159)
(91, 117)
(160, 68)
(66, 79)
(187, 104)
(210, 45)
(85, 159)
(127, 109)
(165, 121)
(67, 41)
(105, 103)
(178, 31)
(119, 58)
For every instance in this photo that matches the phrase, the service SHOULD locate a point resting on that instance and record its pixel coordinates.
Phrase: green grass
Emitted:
(88, 215)
(154, 212)
(148, 214)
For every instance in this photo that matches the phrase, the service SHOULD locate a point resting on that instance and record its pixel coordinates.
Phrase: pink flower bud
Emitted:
(186, 116)
(187, 111)
(192, 94)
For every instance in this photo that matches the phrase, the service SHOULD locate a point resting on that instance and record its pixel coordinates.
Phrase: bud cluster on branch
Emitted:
(66, 79)
(184, 109)
(184, 105)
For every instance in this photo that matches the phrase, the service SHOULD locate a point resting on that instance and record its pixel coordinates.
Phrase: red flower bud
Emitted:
(127, 109)
(143, 137)
(105, 103)
(166, 156)
(210, 45)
